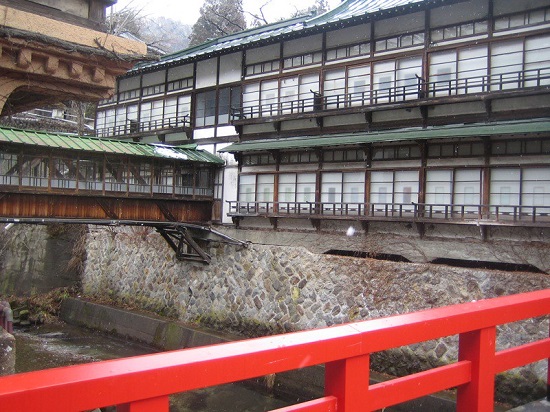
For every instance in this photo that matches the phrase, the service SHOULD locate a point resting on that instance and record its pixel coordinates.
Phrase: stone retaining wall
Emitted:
(268, 289)
(35, 258)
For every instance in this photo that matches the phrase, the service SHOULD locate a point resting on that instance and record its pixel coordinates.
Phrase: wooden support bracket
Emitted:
(483, 231)
(166, 212)
(316, 223)
(421, 228)
(104, 204)
(273, 221)
(181, 241)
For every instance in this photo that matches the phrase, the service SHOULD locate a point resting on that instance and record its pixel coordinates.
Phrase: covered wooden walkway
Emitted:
(44, 175)
(58, 178)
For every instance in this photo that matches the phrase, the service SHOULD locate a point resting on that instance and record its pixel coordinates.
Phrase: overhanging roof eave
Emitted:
(97, 146)
(442, 132)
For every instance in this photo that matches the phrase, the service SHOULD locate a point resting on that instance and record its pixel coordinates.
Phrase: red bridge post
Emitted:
(347, 380)
(160, 404)
(478, 347)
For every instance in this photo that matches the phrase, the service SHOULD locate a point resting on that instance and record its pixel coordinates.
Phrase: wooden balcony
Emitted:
(133, 129)
(420, 93)
(482, 216)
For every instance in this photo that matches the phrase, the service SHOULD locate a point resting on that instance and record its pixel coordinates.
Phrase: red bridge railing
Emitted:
(144, 383)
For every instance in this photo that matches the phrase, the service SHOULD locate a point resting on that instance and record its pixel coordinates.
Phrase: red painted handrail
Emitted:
(144, 383)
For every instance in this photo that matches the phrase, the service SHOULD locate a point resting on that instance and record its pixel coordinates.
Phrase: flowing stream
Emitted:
(50, 346)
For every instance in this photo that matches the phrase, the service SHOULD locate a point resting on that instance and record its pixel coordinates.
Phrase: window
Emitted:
(344, 155)
(64, 173)
(331, 189)
(353, 188)
(299, 157)
(287, 189)
(163, 182)
(214, 107)
(263, 67)
(528, 18)
(258, 159)
(505, 188)
(472, 70)
(265, 188)
(397, 80)
(128, 95)
(402, 41)
(302, 60)
(205, 110)
(35, 171)
(185, 180)
(180, 84)
(536, 187)
(358, 79)
(247, 188)
(396, 152)
(537, 61)
(9, 169)
(296, 188)
(204, 182)
(394, 188)
(459, 31)
(442, 73)
(408, 74)
(439, 189)
(269, 98)
(150, 90)
(297, 93)
(521, 147)
(467, 189)
(506, 64)
(457, 149)
(519, 187)
(90, 176)
(458, 72)
(345, 52)
(115, 175)
(384, 75)
(334, 90)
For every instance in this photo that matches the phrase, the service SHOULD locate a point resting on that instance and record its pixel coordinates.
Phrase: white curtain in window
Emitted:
(537, 60)
(438, 189)
(359, 85)
(472, 70)
(505, 188)
(506, 64)
(334, 88)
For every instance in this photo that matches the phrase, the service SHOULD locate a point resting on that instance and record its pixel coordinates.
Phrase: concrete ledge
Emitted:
(156, 331)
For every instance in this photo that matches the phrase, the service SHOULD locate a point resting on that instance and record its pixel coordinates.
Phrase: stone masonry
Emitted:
(268, 289)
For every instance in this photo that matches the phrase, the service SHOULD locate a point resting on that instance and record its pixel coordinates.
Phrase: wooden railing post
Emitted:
(348, 381)
(478, 347)
(160, 404)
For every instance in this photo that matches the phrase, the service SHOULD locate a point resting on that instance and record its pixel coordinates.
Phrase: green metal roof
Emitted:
(349, 11)
(436, 132)
(188, 153)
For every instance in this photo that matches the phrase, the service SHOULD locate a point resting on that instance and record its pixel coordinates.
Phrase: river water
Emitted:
(49, 346)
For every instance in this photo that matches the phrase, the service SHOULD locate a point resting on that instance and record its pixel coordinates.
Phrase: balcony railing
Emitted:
(144, 383)
(411, 211)
(133, 127)
(379, 95)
